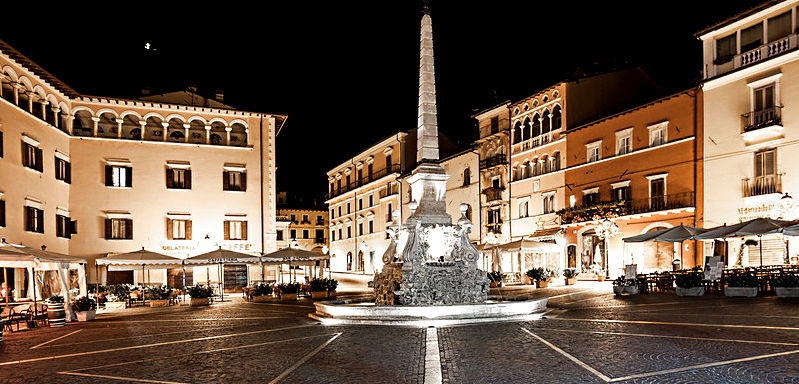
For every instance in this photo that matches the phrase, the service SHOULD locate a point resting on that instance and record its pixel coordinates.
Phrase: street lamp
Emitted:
(606, 230)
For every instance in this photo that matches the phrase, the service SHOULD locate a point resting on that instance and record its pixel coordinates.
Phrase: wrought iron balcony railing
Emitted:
(612, 209)
(761, 185)
(761, 119)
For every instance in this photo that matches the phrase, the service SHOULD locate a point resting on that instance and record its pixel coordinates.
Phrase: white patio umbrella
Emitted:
(676, 234)
(756, 227)
(294, 256)
(222, 256)
(141, 258)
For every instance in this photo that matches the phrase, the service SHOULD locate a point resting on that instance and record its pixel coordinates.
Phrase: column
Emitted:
(70, 123)
(207, 134)
(164, 134)
(119, 128)
(56, 119)
(186, 127)
(143, 124)
(44, 103)
(227, 133)
(96, 121)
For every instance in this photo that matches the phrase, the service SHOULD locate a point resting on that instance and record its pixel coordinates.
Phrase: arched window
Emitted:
(517, 132)
(535, 169)
(524, 171)
(544, 165)
(467, 177)
(526, 130)
(554, 161)
(536, 125)
(546, 123)
(216, 139)
(557, 120)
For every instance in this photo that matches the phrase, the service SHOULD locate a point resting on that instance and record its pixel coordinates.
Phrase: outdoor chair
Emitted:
(18, 314)
(40, 315)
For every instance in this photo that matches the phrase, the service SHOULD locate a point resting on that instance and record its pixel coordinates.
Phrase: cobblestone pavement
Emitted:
(588, 336)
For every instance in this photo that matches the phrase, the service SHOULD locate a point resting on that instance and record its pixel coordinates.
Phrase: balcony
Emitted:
(493, 193)
(761, 185)
(493, 161)
(613, 209)
(728, 63)
(763, 118)
(394, 168)
(390, 189)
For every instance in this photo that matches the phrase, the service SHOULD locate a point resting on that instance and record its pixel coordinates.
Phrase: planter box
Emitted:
(331, 293)
(115, 305)
(288, 296)
(740, 291)
(570, 280)
(86, 315)
(541, 284)
(693, 291)
(261, 298)
(631, 290)
(319, 294)
(787, 291)
(600, 277)
(198, 301)
(159, 303)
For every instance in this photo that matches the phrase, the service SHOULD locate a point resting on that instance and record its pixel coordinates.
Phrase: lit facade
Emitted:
(306, 223)
(751, 67)
(628, 174)
(92, 176)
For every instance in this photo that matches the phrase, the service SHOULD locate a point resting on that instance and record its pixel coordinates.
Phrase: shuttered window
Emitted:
(119, 229)
(236, 230)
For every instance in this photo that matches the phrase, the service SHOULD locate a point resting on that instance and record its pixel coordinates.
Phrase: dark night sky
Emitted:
(346, 73)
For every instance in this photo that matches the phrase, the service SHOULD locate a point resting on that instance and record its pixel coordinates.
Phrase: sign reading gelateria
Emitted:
(230, 247)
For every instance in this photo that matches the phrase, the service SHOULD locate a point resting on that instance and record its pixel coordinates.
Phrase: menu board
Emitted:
(713, 267)
(630, 271)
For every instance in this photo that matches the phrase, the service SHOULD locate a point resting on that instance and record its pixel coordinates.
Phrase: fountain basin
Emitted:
(366, 312)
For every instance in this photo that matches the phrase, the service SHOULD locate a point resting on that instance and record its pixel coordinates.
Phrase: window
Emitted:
(524, 208)
(751, 38)
(494, 221)
(320, 236)
(726, 48)
(371, 226)
(765, 163)
(293, 234)
(621, 191)
(178, 229)
(763, 105)
(467, 177)
(279, 236)
(237, 230)
(624, 141)
(64, 227)
(371, 200)
(779, 26)
(657, 193)
(32, 156)
(306, 234)
(549, 202)
(178, 178)
(360, 229)
(339, 234)
(63, 170)
(332, 235)
(118, 176)
(349, 232)
(590, 196)
(592, 151)
(2, 213)
(657, 134)
(349, 208)
(1, 144)
(360, 204)
(234, 181)
(306, 219)
(34, 219)
(118, 229)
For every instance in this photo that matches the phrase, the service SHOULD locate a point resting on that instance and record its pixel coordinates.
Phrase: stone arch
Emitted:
(218, 134)
(197, 131)
(82, 123)
(153, 129)
(526, 129)
(131, 129)
(238, 135)
(557, 117)
(517, 132)
(176, 133)
(536, 125)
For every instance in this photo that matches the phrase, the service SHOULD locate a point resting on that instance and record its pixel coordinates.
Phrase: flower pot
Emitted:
(692, 291)
(288, 296)
(787, 291)
(198, 301)
(115, 305)
(56, 314)
(86, 315)
(600, 277)
(318, 294)
(541, 283)
(261, 298)
(159, 303)
(628, 290)
(740, 291)
(570, 280)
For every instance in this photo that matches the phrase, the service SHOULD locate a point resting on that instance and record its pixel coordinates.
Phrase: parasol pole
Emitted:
(221, 283)
(183, 263)
(5, 281)
(760, 242)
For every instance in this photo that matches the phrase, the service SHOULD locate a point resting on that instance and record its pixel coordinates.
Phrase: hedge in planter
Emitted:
(787, 285)
(741, 284)
(626, 286)
(570, 276)
(200, 294)
(262, 292)
(542, 276)
(288, 291)
(690, 284)
(159, 295)
(85, 308)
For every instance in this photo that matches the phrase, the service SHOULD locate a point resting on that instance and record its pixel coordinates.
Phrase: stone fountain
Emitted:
(430, 273)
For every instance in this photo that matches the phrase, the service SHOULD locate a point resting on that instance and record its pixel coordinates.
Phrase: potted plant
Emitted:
(262, 292)
(598, 271)
(288, 291)
(495, 279)
(118, 295)
(318, 288)
(570, 276)
(200, 294)
(85, 308)
(690, 284)
(787, 285)
(56, 315)
(626, 286)
(741, 284)
(332, 284)
(159, 295)
(542, 276)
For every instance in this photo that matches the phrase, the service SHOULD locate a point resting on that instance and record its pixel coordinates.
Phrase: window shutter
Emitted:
(2, 213)
(73, 227)
(39, 160)
(188, 178)
(225, 180)
(129, 177)
(25, 158)
(170, 230)
(188, 229)
(170, 178)
(129, 228)
(109, 176)
(107, 228)
(68, 175)
(244, 230)
(244, 181)
(226, 229)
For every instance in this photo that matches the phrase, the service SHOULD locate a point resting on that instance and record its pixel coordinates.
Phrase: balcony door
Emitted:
(657, 194)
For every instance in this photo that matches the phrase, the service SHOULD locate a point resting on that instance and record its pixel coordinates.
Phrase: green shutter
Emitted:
(129, 177)
(225, 180)
(170, 178)
(109, 176)
(107, 228)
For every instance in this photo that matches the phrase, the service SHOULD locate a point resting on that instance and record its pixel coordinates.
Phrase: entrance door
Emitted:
(235, 277)
(571, 256)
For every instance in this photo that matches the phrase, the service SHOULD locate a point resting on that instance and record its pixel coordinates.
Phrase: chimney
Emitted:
(220, 96)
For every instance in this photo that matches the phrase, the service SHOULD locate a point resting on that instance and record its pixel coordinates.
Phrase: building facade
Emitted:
(92, 176)
(751, 67)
